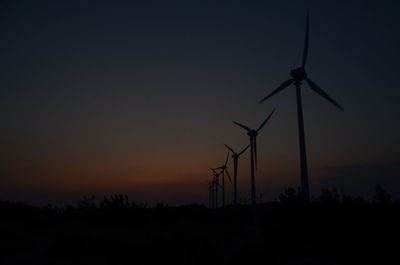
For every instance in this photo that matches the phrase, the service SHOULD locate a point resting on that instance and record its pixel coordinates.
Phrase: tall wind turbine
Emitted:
(235, 157)
(224, 170)
(253, 158)
(298, 75)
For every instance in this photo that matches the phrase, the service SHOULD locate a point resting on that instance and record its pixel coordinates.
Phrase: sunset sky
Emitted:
(138, 97)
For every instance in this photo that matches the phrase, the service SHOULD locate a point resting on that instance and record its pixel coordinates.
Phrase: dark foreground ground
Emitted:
(119, 232)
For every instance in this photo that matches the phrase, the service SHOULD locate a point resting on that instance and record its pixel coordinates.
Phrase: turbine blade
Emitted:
(213, 170)
(227, 158)
(227, 146)
(266, 120)
(244, 150)
(305, 51)
(229, 177)
(279, 89)
(241, 125)
(322, 93)
(255, 152)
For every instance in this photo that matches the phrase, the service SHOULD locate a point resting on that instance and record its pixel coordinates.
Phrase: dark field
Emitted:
(331, 230)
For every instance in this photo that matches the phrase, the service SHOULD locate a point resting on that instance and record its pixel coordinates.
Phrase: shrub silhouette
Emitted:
(351, 200)
(381, 195)
(87, 203)
(330, 197)
(290, 196)
(116, 202)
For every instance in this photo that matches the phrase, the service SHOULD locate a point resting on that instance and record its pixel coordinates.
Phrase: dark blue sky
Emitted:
(138, 96)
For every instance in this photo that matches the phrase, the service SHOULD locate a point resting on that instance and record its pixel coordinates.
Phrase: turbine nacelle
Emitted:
(299, 73)
(235, 156)
(252, 133)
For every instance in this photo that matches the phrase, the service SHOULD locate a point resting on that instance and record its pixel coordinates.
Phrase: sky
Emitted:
(138, 97)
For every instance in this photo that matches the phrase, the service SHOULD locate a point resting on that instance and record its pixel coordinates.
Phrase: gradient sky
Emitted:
(138, 97)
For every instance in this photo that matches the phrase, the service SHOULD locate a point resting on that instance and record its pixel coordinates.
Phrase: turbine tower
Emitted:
(253, 157)
(298, 76)
(235, 157)
(224, 170)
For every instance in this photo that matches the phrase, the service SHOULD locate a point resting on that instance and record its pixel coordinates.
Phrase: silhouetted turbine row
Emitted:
(297, 76)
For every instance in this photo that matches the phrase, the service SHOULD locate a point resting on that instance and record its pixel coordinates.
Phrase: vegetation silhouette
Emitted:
(332, 229)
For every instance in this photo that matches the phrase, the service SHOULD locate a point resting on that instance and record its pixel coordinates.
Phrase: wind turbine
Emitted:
(216, 186)
(298, 75)
(224, 170)
(253, 158)
(212, 189)
(210, 193)
(235, 157)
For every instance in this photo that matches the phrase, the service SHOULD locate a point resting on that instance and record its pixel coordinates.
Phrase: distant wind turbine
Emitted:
(210, 194)
(298, 75)
(253, 158)
(212, 188)
(224, 170)
(216, 186)
(235, 157)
